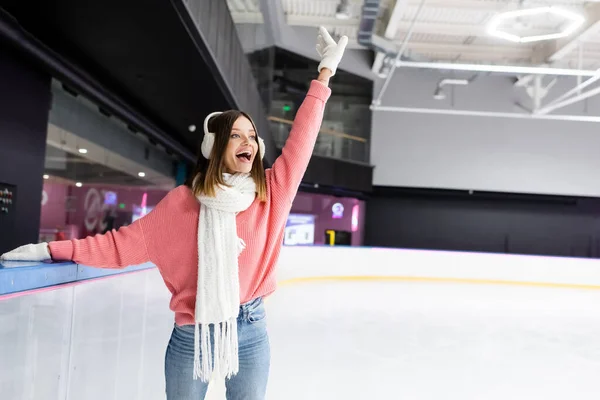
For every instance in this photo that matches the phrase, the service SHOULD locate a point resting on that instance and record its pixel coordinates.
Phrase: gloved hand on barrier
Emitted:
(29, 252)
(331, 52)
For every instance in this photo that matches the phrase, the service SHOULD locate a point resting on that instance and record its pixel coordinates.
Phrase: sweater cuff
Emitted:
(61, 251)
(319, 90)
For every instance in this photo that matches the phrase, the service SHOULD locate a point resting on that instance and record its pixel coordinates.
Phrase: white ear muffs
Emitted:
(261, 148)
(209, 139)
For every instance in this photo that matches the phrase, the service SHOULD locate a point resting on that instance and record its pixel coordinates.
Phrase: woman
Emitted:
(193, 232)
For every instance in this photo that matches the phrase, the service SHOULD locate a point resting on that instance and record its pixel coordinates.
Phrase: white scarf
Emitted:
(218, 293)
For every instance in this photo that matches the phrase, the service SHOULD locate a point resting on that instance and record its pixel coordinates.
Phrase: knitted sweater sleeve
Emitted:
(289, 168)
(114, 249)
(129, 245)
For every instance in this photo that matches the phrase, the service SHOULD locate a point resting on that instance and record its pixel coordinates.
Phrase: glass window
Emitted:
(283, 78)
(99, 175)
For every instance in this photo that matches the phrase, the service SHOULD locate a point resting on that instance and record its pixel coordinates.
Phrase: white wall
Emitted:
(482, 153)
(106, 339)
(298, 263)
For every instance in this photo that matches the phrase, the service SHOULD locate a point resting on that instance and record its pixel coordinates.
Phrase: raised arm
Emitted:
(289, 168)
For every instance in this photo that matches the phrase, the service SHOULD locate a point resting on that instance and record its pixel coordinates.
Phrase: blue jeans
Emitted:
(250, 383)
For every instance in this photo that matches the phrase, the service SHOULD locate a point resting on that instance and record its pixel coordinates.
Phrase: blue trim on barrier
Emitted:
(84, 272)
(24, 276)
(19, 277)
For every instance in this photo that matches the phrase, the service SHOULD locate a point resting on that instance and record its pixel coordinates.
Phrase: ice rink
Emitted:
(345, 323)
(389, 339)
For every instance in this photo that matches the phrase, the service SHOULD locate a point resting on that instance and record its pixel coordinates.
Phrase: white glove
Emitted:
(331, 52)
(29, 252)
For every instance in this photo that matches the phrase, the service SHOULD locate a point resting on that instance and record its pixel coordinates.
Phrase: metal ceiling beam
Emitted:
(368, 21)
(386, 45)
(350, 29)
(478, 4)
(395, 18)
(298, 41)
(388, 79)
(239, 5)
(391, 28)
(457, 49)
(454, 5)
(495, 52)
(564, 47)
(493, 114)
(576, 90)
(572, 100)
(247, 17)
(502, 69)
(274, 20)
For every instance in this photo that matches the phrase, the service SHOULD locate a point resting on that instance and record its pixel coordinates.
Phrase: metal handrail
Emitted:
(323, 130)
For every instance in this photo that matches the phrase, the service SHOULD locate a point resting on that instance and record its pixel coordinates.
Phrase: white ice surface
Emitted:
(406, 340)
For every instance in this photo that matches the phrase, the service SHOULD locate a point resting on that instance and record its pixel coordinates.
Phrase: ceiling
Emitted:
(138, 52)
(453, 30)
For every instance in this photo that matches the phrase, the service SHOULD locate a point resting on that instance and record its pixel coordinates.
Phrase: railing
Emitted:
(330, 143)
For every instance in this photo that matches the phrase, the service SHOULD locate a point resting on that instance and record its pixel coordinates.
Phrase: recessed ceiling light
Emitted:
(574, 22)
(83, 151)
(46, 176)
(79, 184)
(141, 174)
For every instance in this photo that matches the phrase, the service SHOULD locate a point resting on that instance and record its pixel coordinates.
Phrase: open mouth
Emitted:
(245, 156)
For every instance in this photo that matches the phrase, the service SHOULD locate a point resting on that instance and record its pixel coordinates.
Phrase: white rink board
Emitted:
(301, 262)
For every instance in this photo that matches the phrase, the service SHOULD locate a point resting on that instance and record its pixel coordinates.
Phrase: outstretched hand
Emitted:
(331, 52)
(29, 252)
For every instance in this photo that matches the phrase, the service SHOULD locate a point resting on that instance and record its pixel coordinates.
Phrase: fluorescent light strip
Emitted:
(506, 69)
(493, 27)
(493, 114)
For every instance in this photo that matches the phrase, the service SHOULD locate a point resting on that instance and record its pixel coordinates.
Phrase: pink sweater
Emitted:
(167, 236)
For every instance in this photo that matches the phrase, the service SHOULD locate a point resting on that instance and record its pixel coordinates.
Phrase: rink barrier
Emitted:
(422, 279)
(359, 263)
(304, 264)
(23, 278)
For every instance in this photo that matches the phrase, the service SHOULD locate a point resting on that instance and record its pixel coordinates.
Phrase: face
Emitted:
(241, 148)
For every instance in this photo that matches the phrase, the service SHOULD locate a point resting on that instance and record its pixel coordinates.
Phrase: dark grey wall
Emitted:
(24, 105)
(497, 223)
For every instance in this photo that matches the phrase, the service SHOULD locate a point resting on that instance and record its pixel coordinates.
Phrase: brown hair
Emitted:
(209, 173)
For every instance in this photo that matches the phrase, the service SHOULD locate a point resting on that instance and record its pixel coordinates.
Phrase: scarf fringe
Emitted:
(216, 358)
